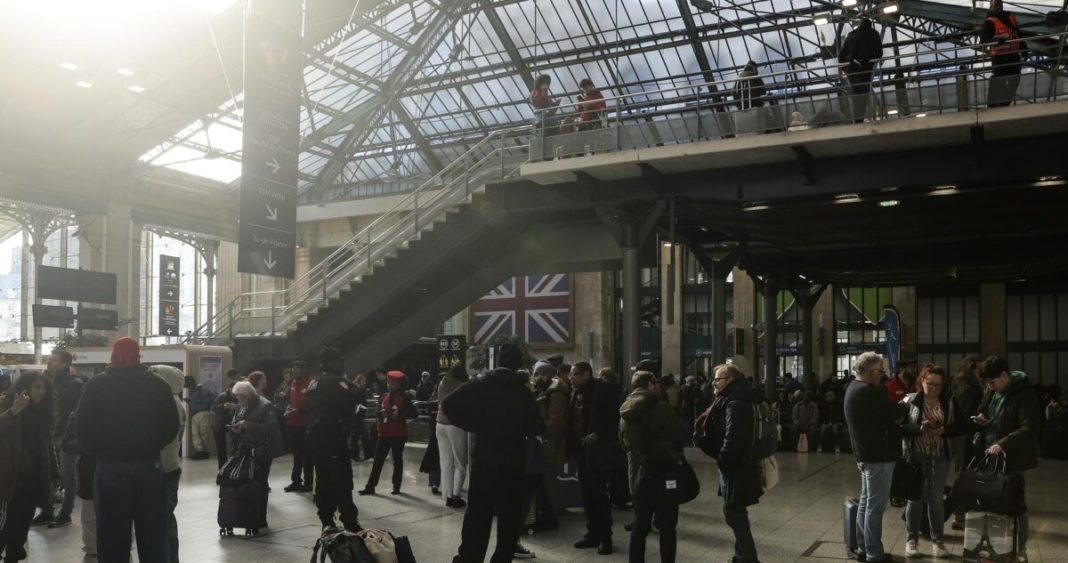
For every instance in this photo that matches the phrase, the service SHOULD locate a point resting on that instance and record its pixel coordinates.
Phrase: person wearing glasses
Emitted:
(875, 435)
(933, 418)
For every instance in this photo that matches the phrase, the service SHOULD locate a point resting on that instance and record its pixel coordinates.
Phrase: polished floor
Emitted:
(800, 520)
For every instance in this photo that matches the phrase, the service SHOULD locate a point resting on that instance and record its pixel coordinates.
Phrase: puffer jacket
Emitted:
(553, 407)
(170, 458)
(651, 433)
(956, 424)
(261, 433)
(1016, 431)
(733, 422)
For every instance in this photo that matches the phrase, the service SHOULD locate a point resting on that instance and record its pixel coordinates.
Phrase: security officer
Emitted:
(331, 404)
(1001, 27)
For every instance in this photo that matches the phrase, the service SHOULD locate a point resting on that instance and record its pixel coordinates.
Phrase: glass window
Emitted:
(1014, 317)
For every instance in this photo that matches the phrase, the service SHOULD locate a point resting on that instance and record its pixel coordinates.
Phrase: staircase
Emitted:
(342, 298)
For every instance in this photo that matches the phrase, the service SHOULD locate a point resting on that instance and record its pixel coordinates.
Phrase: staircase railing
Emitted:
(269, 313)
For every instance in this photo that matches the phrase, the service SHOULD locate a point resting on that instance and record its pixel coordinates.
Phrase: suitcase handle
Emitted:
(981, 464)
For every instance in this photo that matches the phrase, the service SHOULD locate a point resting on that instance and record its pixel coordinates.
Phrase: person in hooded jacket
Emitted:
(501, 413)
(860, 51)
(653, 435)
(933, 419)
(749, 89)
(170, 457)
(26, 464)
(1009, 417)
(331, 406)
(739, 472)
(125, 418)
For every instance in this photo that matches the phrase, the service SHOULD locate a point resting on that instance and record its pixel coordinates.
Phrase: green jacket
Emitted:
(651, 433)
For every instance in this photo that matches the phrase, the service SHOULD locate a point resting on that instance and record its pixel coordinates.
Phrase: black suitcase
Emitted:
(828, 440)
(849, 527)
(243, 506)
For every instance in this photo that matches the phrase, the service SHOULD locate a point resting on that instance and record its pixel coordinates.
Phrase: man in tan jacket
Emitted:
(552, 402)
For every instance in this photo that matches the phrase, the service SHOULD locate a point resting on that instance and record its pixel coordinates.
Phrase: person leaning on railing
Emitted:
(1000, 27)
(545, 106)
(860, 51)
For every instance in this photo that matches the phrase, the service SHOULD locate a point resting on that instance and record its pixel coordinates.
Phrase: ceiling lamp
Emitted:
(849, 3)
(821, 20)
(889, 8)
(83, 84)
(124, 71)
(68, 66)
(136, 89)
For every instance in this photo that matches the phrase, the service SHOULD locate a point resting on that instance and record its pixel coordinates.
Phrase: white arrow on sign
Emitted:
(170, 293)
(170, 331)
(272, 212)
(273, 165)
(269, 261)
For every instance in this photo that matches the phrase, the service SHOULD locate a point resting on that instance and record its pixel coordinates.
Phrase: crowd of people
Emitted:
(114, 441)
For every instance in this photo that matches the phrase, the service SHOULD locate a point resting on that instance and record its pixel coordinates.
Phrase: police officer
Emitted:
(331, 404)
(1001, 28)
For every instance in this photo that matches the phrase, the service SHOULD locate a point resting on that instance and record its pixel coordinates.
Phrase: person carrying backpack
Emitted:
(735, 444)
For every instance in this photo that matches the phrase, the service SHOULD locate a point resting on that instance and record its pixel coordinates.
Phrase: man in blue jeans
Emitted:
(125, 418)
(876, 438)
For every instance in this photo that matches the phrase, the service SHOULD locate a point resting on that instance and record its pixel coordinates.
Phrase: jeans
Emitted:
(453, 452)
(935, 470)
(302, 461)
(68, 464)
(667, 515)
(875, 480)
(737, 517)
(385, 446)
(495, 490)
(170, 485)
(130, 493)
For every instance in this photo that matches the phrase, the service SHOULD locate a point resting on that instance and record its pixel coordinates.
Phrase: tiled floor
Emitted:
(800, 520)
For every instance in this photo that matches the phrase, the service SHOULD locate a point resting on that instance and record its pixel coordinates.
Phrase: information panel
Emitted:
(271, 138)
(452, 350)
(170, 285)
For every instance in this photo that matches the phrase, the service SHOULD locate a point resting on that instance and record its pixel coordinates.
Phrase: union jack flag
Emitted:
(537, 308)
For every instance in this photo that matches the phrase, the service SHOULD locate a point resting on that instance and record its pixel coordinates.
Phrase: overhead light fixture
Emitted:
(68, 66)
(948, 189)
(758, 207)
(889, 203)
(137, 89)
(83, 84)
(846, 198)
(921, 115)
(820, 20)
(1043, 181)
(124, 71)
(667, 245)
(891, 112)
(849, 3)
(703, 5)
(889, 8)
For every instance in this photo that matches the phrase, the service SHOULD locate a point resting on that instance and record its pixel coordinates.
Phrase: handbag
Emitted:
(239, 468)
(907, 482)
(802, 443)
(380, 544)
(679, 482)
(769, 473)
(986, 487)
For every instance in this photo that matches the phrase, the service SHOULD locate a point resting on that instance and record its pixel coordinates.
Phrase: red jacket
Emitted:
(298, 397)
(896, 390)
(591, 107)
(393, 419)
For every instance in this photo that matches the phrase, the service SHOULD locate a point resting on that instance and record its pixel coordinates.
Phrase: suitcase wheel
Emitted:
(251, 532)
(226, 531)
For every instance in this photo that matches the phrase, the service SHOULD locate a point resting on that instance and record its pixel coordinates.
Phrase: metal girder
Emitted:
(509, 46)
(372, 110)
(695, 40)
(417, 137)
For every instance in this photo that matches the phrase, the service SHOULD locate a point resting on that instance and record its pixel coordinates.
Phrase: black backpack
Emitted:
(340, 546)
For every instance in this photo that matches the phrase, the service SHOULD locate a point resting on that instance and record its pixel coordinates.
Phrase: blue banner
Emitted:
(892, 326)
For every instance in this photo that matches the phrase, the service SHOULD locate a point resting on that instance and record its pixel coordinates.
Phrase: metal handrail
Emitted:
(468, 173)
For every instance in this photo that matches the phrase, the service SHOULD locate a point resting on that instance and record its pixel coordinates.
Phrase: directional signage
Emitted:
(170, 285)
(97, 319)
(452, 350)
(53, 316)
(271, 139)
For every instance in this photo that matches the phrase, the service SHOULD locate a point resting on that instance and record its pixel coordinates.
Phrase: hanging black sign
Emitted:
(452, 350)
(170, 285)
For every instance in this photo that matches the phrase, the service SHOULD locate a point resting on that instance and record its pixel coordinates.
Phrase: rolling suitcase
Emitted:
(989, 538)
(243, 506)
(849, 527)
(568, 490)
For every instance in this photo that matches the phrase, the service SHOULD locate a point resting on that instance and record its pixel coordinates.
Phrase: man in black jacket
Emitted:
(68, 388)
(598, 455)
(501, 414)
(739, 474)
(126, 417)
(861, 50)
(876, 439)
(332, 406)
(1009, 416)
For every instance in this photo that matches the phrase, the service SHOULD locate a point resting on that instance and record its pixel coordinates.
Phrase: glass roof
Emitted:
(434, 80)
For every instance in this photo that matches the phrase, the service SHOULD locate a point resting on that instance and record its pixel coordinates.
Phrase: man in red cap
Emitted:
(126, 416)
(393, 417)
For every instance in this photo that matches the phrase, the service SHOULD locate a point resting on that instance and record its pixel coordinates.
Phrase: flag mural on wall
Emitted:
(537, 308)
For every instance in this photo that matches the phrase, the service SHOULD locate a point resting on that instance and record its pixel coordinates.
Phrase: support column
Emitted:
(38, 251)
(823, 335)
(718, 328)
(26, 281)
(632, 280)
(992, 333)
(671, 331)
(771, 337)
(211, 252)
(807, 377)
(904, 300)
(122, 257)
(745, 351)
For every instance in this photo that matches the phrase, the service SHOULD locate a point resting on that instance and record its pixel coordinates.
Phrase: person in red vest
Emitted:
(901, 384)
(591, 106)
(396, 408)
(297, 418)
(1000, 27)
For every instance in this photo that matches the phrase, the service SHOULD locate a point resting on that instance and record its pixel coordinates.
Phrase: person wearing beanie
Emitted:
(125, 418)
(500, 411)
(397, 409)
(331, 406)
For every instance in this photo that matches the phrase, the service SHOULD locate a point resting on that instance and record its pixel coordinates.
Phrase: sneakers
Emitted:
(522, 552)
(293, 487)
(605, 548)
(1021, 557)
(60, 521)
(395, 492)
(455, 502)
(939, 550)
(42, 519)
(435, 491)
(587, 543)
(912, 549)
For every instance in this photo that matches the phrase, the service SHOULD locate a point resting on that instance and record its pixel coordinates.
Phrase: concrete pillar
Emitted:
(632, 280)
(823, 335)
(904, 300)
(718, 327)
(808, 377)
(771, 337)
(671, 333)
(122, 257)
(744, 318)
(992, 337)
(26, 282)
(592, 295)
